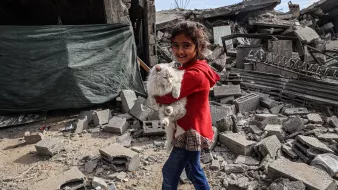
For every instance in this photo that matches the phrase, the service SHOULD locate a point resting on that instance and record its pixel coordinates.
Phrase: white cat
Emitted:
(164, 79)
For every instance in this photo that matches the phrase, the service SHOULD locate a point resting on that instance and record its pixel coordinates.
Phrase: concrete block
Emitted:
(32, 138)
(140, 111)
(275, 130)
(328, 136)
(262, 120)
(128, 98)
(268, 103)
(48, 147)
(82, 121)
(219, 112)
(90, 166)
(153, 128)
(116, 125)
(153, 116)
(227, 90)
(101, 117)
(206, 158)
(256, 130)
(333, 122)
(124, 140)
(215, 165)
(281, 184)
(237, 143)
(249, 161)
(313, 178)
(55, 182)
(288, 151)
(268, 146)
(247, 103)
(235, 168)
(293, 124)
(313, 144)
(225, 124)
(276, 110)
(227, 100)
(296, 111)
(120, 158)
(314, 118)
(306, 34)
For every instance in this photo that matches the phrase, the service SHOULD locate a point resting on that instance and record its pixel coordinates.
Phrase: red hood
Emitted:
(203, 66)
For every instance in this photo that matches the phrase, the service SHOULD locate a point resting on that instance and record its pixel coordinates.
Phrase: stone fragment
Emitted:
(328, 137)
(101, 117)
(128, 98)
(237, 143)
(306, 34)
(112, 186)
(227, 100)
(83, 120)
(276, 110)
(90, 166)
(247, 103)
(293, 124)
(268, 103)
(219, 112)
(288, 151)
(32, 138)
(334, 122)
(256, 130)
(227, 90)
(225, 124)
(153, 128)
(275, 130)
(99, 183)
(313, 178)
(120, 158)
(281, 184)
(262, 120)
(116, 125)
(268, 146)
(314, 118)
(140, 111)
(206, 158)
(241, 183)
(124, 140)
(215, 138)
(296, 111)
(137, 149)
(49, 147)
(246, 160)
(215, 165)
(327, 162)
(235, 168)
(73, 175)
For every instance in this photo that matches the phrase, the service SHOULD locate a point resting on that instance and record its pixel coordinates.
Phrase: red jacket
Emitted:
(197, 81)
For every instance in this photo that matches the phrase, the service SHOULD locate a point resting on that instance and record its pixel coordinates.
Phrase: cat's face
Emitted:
(163, 74)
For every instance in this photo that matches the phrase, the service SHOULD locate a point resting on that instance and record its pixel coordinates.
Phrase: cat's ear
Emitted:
(172, 64)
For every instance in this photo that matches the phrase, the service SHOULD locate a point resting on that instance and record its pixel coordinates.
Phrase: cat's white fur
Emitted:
(164, 79)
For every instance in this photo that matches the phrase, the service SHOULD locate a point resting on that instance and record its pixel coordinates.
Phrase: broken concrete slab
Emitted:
(125, 139)
(296, 111)
(225, 124)
(215, 165)
(227, 100)
(249, 161)
(219, 112)
(268, 103)
(261, 120)
(153, 128)
(120, 158)
(237, 143)
(333, 122)
(74, 175)
(256, 129)
(314, 118)
(313, 178)
(235, 168)
(206, 158)
(99, 183)
(128, 98)
(32, 138)
(140, 111)
(116, 125)
(227, 90)
(293, 124)
(101, 117)
(49, 147)
(82, 121)
(276, 110)
(328, 136)
(281, 184)
(313, 143)
(306, 34)
(247, 103)
(91, 165)
(327, 162)
(277, 130)
(268, 146)
(289, 152)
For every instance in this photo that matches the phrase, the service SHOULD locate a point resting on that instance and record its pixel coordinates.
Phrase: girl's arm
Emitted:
(192, 82)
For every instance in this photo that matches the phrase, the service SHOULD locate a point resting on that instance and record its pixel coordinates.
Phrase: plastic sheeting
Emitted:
(59, 67)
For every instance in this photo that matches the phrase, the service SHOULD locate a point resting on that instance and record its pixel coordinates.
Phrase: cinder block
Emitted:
(237, 143)
(48, 147)
(116, 125)
(247, 103)
(262, 120)
(82, 121)
(313, 178)
(227, 90)
(275, 130)
(120, 158)
(288, 151)
(268, 146)
(256, 130)
(296, 111)
(140, 111)
(33, 138)
(293, 124)
(101, 117)
(276, 110)
(153, 128)
(219, 112)
(334, 122)
(269, 103)
(128, 98)
(314, 118)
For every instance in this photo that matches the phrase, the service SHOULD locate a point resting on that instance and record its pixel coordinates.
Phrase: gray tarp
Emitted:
(59, 67)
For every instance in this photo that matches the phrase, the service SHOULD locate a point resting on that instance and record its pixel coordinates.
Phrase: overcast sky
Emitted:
(204, 4)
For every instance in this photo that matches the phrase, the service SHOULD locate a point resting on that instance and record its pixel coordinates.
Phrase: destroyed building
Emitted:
(274, 111)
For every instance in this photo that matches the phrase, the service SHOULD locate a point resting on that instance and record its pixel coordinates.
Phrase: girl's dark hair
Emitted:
(196, 32)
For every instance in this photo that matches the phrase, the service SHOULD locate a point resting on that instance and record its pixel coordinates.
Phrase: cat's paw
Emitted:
(175, 94)
(165, 122)
(168, 110)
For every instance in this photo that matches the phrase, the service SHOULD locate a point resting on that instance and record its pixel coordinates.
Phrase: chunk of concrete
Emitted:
(101, 117)
(268, 146)
(83, 120)
(99, 183)
(235, 168)
(281, 184)
(293, 124)
(313, 178)
(314, 118)
(247, 103)
(74, 175)
(215, 138)
(49, 147)
(262, 120)
(225, 124)
(275, 130)
(249, 161)
(328, 136)
(141, 112)
(116, 125)
(289, 152)
(268, 103)
(219, 112)
(128, 98)
(125, 139)
(276, 110)
(206, 158)
(153, 128)
(91, 165)
(227, 90)
(328, 162)
(256, 130)
(313, 143)
(32, 138)
(215, 165)
(227, 100)
(296, 111)
(237, 143)
(120, 158)
(306, 34)
(333, 122)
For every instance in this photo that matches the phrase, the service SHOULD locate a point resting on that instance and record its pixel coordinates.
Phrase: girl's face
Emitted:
(183, 48)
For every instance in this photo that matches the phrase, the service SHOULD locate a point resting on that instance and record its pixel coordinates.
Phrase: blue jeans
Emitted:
(178, 160)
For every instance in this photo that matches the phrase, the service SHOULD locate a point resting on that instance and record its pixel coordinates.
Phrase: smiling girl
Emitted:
(188, 42)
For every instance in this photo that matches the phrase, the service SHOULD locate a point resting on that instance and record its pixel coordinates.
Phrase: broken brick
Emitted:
(268, 146)
(314, 118)
(128, 98)
(227, 90)
(262, 120)
(237, 143)
(101, 117)
(274, 129)
(247, 103)
(48, 147)
(293, 124)
(116, 125)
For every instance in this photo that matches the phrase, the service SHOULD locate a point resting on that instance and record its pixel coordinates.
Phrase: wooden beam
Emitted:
(143, 65)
